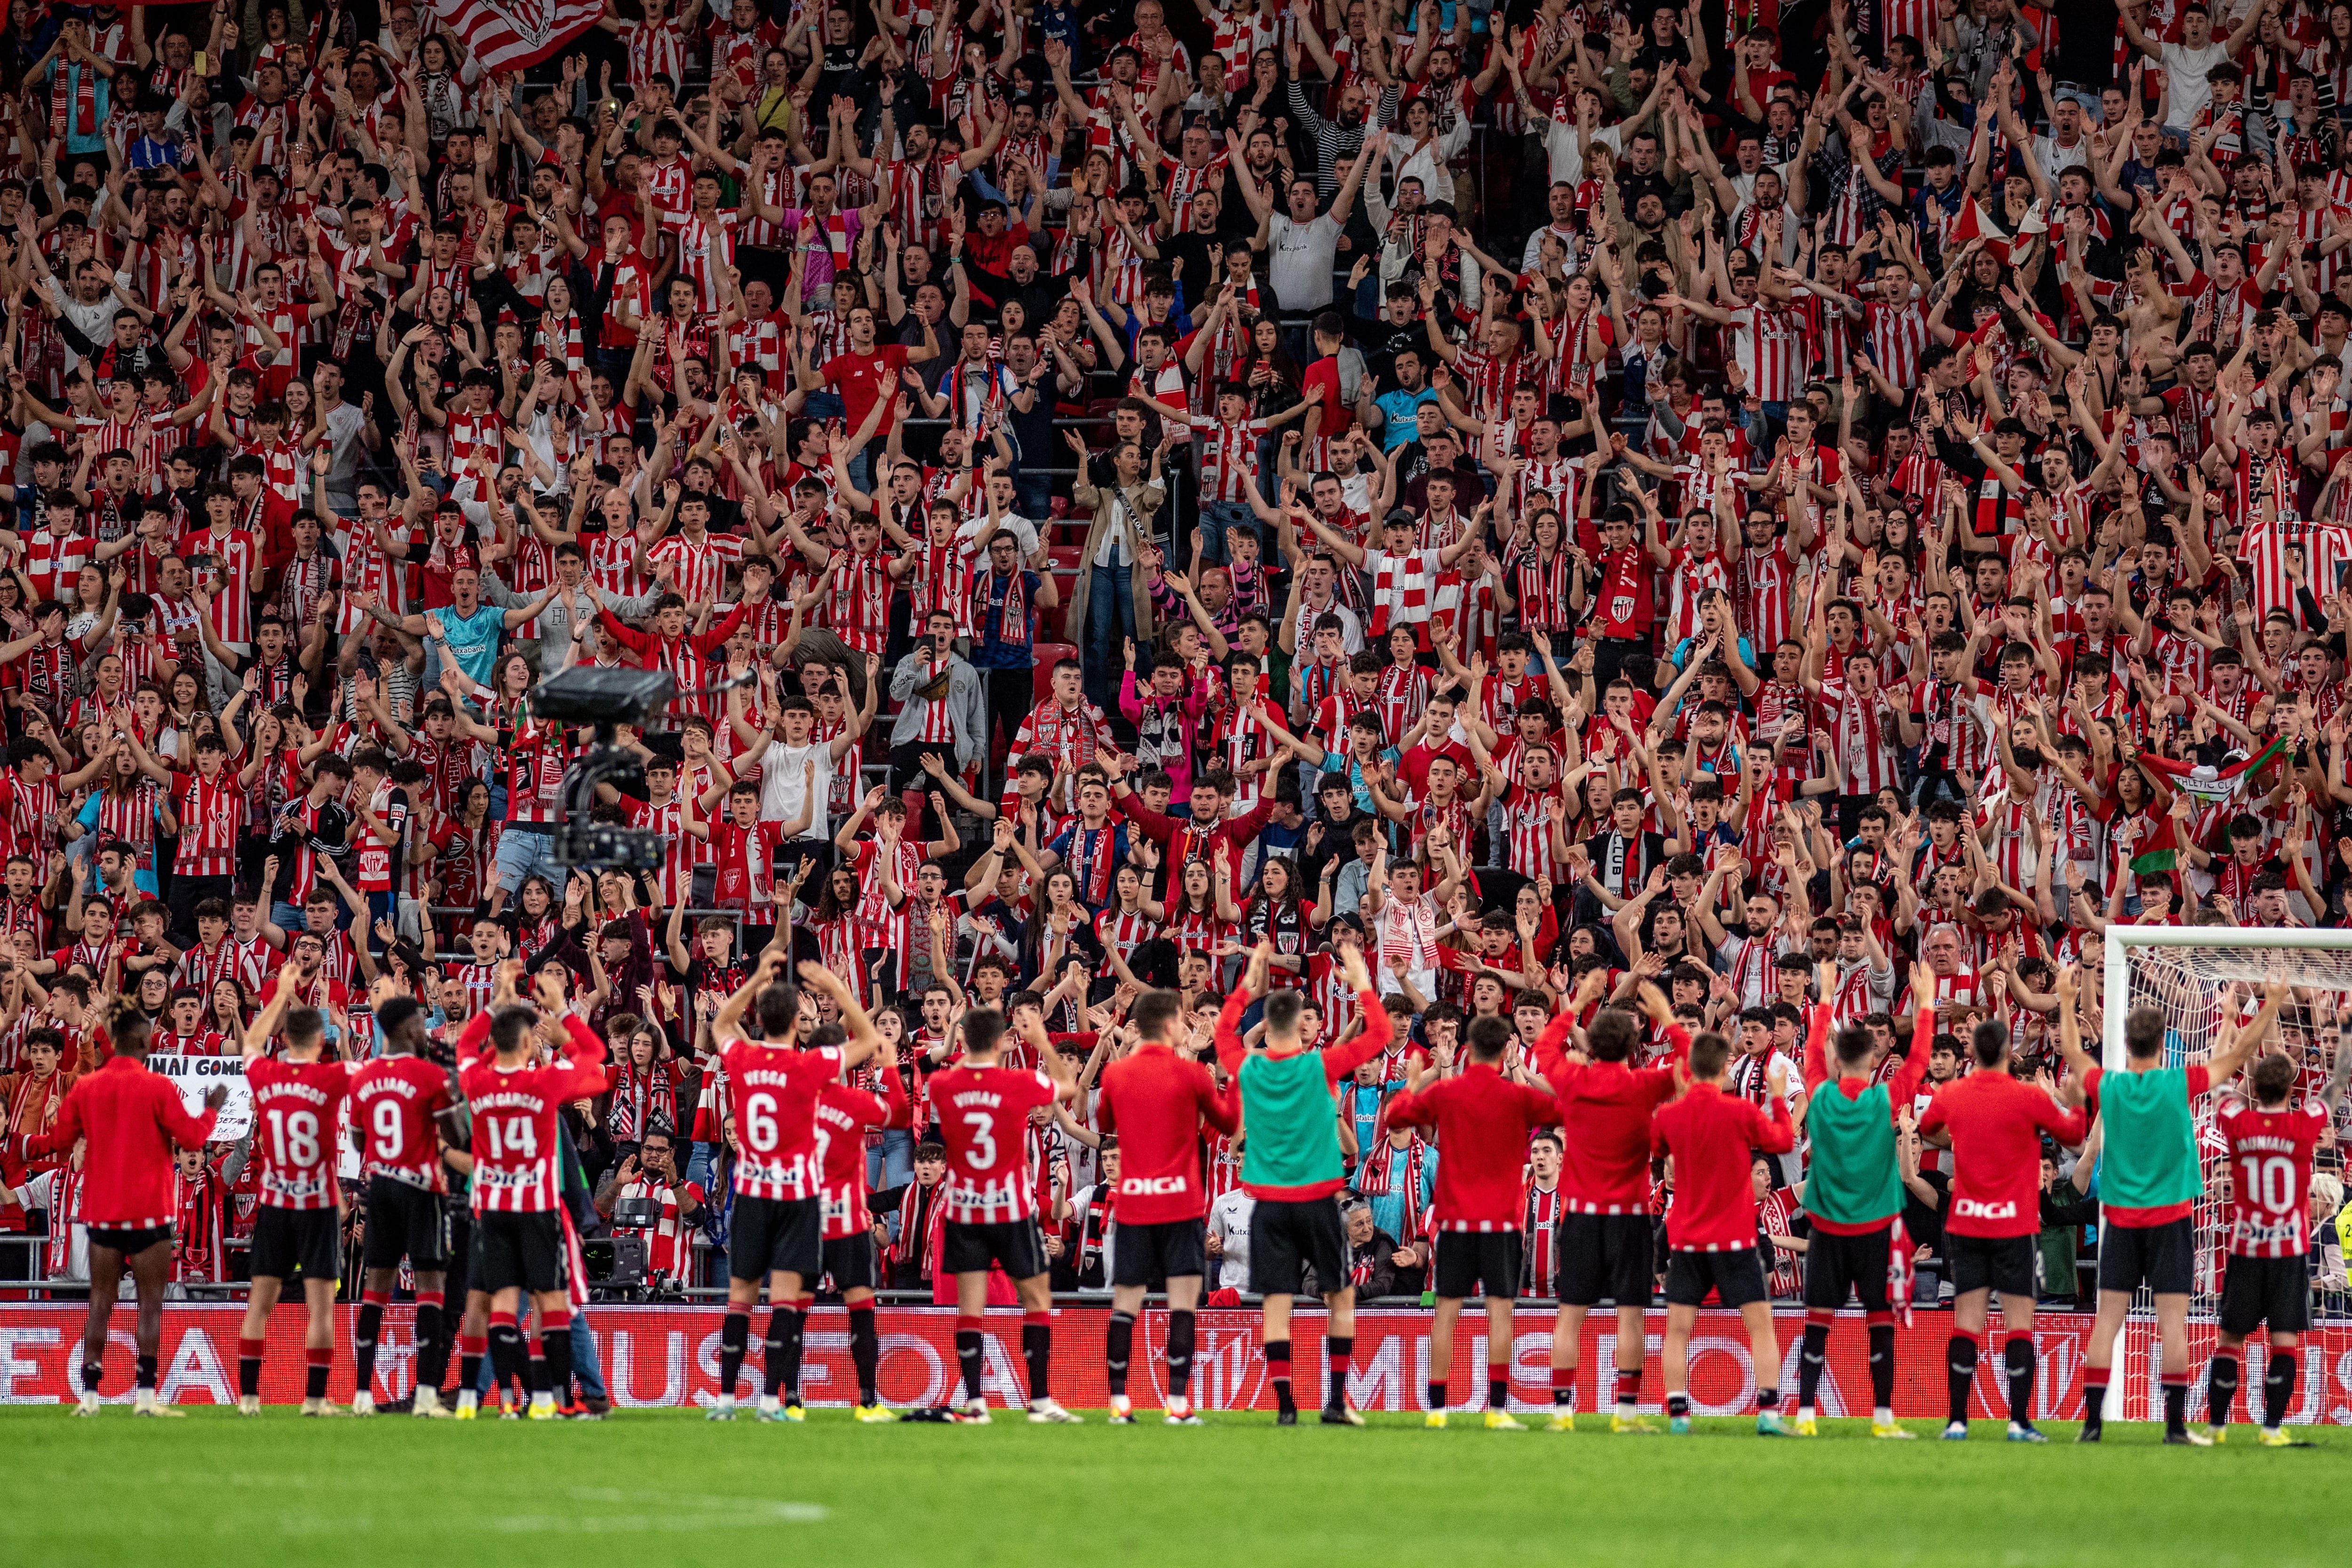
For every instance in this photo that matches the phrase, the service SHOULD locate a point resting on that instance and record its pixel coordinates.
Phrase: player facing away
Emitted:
(1290, 1165)
(394, 1102)
(134, 1120)
(1854, 1191)
(298, 1101)
(1483, 1121)
(514, 1095)
(1993, 1124)
(2270, 1140)
(777, 1234)
(2149, 1180)
(992, 1217)
(1157, 1103)
(1603, 1237)
(843, 1115)
(1711, 1221)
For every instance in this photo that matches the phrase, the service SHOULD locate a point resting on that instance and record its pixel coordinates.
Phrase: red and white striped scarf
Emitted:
(76, 84)
(1408, 931)
(1377, 1177)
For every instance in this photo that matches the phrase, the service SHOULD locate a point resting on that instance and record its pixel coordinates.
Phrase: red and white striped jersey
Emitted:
(2270, 1154)
(775, 1093)
(984, 1116)
(515, 1146)
(705, 250)
(1761, 594)
(697, 567)
(1185, 182)
(212, 816)
(1229, 464)
(654, 49)
(393, 1099)
(1767, 341)
(1528, 829)
(1898, 336)
(1865, 737)
(1122, 932)
(843, 1116)
(670, 1245)
(297, 1106)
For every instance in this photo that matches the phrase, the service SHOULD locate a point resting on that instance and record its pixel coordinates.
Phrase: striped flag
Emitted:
(508, 34)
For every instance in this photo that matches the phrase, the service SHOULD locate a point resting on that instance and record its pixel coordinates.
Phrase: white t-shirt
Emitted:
(1229, 1222)
(1303, 254)
(2184, 73)
(781, 784)
(976, 532)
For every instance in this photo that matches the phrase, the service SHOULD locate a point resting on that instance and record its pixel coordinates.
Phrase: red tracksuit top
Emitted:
(1482, 1120)
(1606, 1108)
(133, 1118)
(1997, 1124)
(1157, 1102)
(1710, 1135)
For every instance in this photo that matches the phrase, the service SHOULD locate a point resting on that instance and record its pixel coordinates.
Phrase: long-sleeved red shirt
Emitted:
(133, 1119)
(1900, 1089)
(1711, 1137)
(1157, 1101)
(1482, 1120)
(1605, 1108)
(1997, 1124)
(1186, 840)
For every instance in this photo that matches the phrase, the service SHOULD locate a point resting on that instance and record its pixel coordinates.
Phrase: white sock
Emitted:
(1882, 1415)
(770, 1402)
(727, 1402)
(1804, 1412)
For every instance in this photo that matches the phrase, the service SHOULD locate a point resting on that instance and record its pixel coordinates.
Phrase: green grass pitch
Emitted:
(672, 1487)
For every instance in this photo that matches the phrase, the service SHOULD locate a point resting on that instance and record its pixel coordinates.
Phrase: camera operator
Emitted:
(651, 1173)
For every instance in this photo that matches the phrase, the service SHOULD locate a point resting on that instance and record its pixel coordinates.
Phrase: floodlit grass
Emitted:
(669, 1487)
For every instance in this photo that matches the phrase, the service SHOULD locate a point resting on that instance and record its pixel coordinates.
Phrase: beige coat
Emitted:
(1142, 502)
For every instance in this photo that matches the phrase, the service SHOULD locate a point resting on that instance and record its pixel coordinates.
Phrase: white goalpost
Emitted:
(2185, 971)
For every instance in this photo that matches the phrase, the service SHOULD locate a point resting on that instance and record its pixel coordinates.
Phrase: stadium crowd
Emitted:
(1144, 489)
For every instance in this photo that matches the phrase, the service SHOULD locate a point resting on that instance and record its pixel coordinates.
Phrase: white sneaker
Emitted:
(144, 1402)
(427, 1403)
(319, 1407)
(1047, 1412)
(722, 1408)
(973, 1414)
(1181, 1412)
(249, 1404)
(363, 1403)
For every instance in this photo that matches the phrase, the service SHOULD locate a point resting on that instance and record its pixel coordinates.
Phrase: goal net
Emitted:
(2204, 978)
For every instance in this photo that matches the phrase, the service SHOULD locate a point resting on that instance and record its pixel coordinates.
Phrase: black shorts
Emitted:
(1286, 1238)
(849, 1261)
(2274, 1292)
(1737, 1277)
(2160, 1257)
(129, 1242)
(1604, 1258)
(1478, 1263)
(518, 1251)
(405, 1221)
(2005, 1263)
(286, 1241)
(1017, 1246)
(1836, 1264)
(775, 1236)
(1147, 1255)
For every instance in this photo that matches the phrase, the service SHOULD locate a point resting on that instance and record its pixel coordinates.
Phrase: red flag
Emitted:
(508, 34)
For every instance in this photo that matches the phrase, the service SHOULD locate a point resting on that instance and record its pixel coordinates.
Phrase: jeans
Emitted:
(1033, 497)
(521, 854)
(698, 1166)
(1110, 620)
(891, 1162)
(1217, 519)
(584, 1365)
